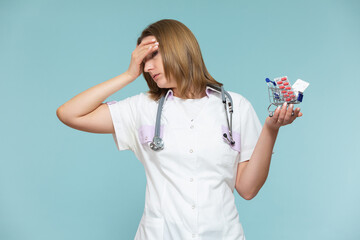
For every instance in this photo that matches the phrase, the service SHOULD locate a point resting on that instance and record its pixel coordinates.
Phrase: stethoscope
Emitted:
(158, 144)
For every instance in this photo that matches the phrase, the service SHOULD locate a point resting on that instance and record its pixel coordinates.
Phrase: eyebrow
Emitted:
(143, 61)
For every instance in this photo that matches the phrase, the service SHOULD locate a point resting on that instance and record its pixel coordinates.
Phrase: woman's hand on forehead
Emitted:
(147, 45)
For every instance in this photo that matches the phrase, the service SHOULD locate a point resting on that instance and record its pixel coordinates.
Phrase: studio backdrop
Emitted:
(59, 183)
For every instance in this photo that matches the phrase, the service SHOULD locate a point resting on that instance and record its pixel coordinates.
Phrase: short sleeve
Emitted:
(250, 129)
(123, 114)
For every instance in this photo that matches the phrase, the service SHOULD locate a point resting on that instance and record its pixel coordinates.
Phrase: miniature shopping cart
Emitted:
(281, 91)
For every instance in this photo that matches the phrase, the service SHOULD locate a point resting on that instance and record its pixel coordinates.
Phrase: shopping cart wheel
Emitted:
(271, 112)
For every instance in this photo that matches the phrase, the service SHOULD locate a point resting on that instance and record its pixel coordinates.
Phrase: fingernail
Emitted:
(291, 105)
(157, 43)
(153, 39)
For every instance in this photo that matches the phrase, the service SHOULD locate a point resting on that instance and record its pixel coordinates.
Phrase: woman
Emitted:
(191, 179)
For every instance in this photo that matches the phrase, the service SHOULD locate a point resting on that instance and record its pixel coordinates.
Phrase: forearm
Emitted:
(89, 100)
(255, 173)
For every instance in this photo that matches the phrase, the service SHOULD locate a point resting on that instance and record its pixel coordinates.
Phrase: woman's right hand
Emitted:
(138, 55)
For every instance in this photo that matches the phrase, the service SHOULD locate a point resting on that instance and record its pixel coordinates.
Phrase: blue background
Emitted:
(59, 183)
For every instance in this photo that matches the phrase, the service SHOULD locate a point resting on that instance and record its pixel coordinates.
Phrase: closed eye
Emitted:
(154, 54)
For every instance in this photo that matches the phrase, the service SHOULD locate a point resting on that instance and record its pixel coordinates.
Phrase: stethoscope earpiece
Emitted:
(230, 141)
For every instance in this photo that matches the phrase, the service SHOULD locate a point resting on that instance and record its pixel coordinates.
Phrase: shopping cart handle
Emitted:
(268, 80)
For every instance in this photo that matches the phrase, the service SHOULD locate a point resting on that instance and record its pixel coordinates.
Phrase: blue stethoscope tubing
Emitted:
(158, 144)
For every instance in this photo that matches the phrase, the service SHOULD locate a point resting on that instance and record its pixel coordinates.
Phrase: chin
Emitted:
(162, 85)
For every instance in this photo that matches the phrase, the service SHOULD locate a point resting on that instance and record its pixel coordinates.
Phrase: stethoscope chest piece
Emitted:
(157, 144)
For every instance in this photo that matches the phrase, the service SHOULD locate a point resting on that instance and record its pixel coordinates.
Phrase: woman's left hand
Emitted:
(282, 116)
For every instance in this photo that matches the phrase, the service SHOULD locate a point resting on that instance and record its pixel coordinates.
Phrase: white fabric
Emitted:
(191, 107)
(190, 183)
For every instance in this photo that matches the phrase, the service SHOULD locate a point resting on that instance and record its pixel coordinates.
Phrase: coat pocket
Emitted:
(147, 132)
(236, 138)
(233, 151)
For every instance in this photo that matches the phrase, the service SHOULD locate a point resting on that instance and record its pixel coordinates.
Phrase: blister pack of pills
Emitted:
(286, 90)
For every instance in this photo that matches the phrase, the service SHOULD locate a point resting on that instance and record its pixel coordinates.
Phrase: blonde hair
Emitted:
(182, 59)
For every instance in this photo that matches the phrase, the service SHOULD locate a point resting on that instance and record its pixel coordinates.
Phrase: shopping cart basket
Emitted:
(280, 91)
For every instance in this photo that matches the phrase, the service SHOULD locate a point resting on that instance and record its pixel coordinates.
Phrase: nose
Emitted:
(149, 65)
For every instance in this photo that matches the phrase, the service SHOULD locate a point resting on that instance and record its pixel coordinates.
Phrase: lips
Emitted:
(155, 75)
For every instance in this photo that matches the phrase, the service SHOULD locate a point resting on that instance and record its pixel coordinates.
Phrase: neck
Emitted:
(176, 94)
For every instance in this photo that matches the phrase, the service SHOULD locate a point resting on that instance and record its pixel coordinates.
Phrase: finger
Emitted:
(288, 114)
(276, 115)
(297, 113)
(143, 51)
(294, 114)
(282, 113)
(147, 42)
(300, 113)
(148, 50)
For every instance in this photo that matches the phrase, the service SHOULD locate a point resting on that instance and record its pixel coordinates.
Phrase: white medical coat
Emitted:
(190, 183)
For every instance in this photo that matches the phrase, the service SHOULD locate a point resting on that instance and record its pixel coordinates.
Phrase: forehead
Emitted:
(148, 38)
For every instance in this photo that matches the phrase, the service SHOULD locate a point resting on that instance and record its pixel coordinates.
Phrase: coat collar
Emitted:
(209, 90)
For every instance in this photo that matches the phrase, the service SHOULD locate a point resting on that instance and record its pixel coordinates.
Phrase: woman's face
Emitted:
(154, 66)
